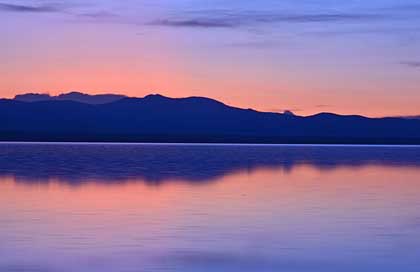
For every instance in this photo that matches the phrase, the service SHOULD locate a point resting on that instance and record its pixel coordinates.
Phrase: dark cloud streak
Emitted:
(99, 15)
(26, 8)
(198, 23)
(412, 64)
(232, 20)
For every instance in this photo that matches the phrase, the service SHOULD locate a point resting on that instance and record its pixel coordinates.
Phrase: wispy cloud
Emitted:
(387, 29)
(99, 15)
(68, 9)
(28, 8)
(231, 19)
(257, 44)
(203, 23)
(412, 64)
(323, 106)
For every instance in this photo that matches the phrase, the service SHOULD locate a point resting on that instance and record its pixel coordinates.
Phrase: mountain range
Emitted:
(156, 118)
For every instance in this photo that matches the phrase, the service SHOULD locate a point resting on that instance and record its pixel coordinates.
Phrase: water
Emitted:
(98, 207)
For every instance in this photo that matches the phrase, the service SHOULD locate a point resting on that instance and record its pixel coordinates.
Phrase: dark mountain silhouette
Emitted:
(72, 96)
(156, 118)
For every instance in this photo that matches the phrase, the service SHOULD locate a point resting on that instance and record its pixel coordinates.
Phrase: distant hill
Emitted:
(72, 96)
(156, 118)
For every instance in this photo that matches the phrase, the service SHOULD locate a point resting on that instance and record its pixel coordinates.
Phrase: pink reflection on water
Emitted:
(267, 218)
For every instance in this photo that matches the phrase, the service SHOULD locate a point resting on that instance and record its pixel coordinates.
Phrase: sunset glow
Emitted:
(351, 58)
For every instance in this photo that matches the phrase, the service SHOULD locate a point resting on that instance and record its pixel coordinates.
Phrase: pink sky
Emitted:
(334, 64)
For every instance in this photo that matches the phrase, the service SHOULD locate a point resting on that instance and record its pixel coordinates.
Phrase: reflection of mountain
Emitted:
(156, 164)
(156, 118)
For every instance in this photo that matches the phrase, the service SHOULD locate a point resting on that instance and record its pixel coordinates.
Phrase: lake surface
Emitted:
(112, 207)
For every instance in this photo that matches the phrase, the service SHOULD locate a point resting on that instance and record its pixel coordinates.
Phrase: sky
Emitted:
(307, 56)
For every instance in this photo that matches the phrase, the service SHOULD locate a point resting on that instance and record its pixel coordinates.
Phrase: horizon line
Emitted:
(285, 111)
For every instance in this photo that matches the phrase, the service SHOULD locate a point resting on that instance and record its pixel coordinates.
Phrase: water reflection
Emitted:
(155, 164)
(66, 208)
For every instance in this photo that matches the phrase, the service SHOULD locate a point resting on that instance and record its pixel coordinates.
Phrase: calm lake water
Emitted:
(110, 207)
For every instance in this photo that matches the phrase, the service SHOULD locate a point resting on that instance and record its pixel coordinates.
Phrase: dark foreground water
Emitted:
(96, 207)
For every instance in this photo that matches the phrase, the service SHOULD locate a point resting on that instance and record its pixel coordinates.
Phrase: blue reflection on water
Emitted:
(107, 207)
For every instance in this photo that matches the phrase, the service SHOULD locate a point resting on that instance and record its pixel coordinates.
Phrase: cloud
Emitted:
(6, 7)
(231, 19)
(308, 18)
(99, 15)
(412, 64)
(195, 23)
(27, 8)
